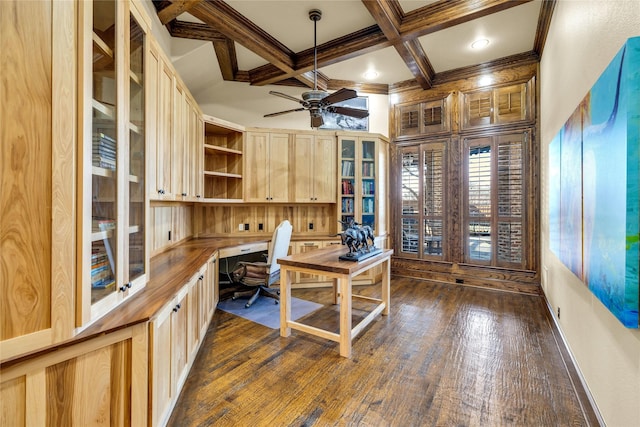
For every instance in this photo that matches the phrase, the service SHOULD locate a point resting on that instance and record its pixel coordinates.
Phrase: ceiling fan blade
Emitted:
(284, 112)
(316, 121)
(351, 112)
(284, 95)
(339, 96)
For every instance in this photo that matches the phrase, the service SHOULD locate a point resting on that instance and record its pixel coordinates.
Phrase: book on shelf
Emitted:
(347, 168)
(103, 151)
(347, 186)
(347, 205)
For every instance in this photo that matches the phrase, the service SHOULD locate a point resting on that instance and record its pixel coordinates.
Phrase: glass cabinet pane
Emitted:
(136, 197)
(104, 152)
(368, 165)
(348, 183)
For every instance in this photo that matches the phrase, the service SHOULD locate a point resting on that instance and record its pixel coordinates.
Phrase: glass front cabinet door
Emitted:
(360, 182)
(111, 195)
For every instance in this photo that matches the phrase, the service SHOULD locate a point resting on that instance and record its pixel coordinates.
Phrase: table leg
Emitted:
(285, 301)
(386, 285)
(345, 316)
(336, 298)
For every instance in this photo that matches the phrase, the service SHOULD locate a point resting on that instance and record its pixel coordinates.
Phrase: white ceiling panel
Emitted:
(509, 32)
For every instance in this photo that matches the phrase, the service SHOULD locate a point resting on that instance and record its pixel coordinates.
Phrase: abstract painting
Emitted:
(594, 194)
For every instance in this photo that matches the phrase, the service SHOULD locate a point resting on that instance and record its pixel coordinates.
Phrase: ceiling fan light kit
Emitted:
(318, 102)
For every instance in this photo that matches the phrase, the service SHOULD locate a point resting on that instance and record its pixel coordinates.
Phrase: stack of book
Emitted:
(101, 273)
(347, 186)
(104, 151)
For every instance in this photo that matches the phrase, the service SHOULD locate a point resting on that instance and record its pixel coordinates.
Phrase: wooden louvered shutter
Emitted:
(511, 103)
(408, 120)
(478, 108)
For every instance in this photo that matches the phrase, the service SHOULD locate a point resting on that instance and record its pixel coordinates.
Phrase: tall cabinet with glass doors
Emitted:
(362, 190)
(112, 200)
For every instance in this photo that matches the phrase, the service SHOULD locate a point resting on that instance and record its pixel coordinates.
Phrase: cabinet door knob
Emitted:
(123, 288)
(184, 194)
(197, 196)
(201, 277)
(176, 308)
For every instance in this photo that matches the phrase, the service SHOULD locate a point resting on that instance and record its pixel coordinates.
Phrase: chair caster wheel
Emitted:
(247, 305)
(276, 302)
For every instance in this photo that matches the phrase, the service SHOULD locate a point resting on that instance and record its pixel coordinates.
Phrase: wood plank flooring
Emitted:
(446, 356)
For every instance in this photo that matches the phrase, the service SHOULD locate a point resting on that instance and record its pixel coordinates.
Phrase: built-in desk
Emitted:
(325, 262)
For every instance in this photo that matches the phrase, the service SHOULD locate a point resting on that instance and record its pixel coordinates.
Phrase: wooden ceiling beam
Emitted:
(444, 14)
(389, 16)
(228, 21)
(194, 31)
(175, 9)
(341, 49)
(227, 60)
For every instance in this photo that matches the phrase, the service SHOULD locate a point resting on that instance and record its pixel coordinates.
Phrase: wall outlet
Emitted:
(310, 226)
(260, 227)
(240, 227)
(246, 227)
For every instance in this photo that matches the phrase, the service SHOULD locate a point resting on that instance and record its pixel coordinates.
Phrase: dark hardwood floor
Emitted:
(446, 356)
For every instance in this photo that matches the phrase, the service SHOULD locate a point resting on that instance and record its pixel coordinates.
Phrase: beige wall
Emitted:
(583, 38)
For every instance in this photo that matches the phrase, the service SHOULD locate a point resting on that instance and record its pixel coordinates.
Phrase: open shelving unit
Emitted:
(222, 169)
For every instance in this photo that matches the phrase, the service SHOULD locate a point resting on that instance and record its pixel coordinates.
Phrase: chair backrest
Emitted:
(279, 245)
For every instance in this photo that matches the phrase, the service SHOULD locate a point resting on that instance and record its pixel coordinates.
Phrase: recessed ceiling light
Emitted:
(480, 44)
(370, 75)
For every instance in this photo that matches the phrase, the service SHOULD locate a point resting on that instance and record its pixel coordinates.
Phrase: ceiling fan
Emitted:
(317, 101)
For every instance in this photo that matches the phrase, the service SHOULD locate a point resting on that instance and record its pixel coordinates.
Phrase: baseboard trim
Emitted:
(588, 405)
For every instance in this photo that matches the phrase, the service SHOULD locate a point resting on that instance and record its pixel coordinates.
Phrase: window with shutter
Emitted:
(423, 201)
(495, 221)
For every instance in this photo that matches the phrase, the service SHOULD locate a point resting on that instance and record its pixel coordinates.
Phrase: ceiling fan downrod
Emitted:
(315, 15)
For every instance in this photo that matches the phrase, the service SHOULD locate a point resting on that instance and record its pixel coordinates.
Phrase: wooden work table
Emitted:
(325, 262)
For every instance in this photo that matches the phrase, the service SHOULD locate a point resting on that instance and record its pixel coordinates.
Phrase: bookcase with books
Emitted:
(113, 205)
(362, 180)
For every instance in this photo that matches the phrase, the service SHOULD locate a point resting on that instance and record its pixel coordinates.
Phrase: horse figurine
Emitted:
(356, 237)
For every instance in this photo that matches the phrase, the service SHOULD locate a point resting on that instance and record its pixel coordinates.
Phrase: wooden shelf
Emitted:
(221, 150)
(105, 109)
(222, 174)
(102, 46)
(103, 172)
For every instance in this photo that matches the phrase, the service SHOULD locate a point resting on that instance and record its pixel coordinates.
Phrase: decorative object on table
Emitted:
(357, 237)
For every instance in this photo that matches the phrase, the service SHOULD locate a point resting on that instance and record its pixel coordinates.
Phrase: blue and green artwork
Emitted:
(594, 194)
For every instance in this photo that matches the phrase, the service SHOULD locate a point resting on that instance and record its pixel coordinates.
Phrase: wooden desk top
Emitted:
(326, 259)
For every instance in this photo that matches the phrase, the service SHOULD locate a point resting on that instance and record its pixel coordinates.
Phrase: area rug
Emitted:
(265, 312)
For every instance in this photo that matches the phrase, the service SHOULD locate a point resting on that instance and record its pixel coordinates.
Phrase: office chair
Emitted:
(261, 275)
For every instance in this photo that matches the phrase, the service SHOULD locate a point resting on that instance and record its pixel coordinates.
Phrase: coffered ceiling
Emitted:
(407, 43)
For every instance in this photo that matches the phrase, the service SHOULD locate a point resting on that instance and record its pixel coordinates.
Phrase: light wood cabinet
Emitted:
(222, 160)
(160, 125)
(175, 335)
(362, 164)
(314, 168)
(169, 355)
(113, 203)
(266, 160)
(38, 173)
(100, 382)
